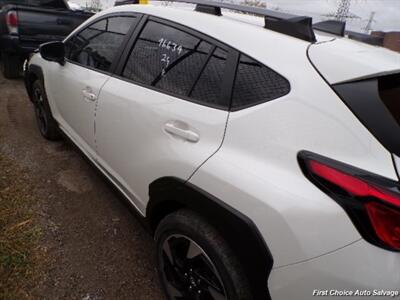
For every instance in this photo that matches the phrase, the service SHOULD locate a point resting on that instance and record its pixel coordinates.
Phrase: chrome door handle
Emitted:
(89, 95)
(181, 130)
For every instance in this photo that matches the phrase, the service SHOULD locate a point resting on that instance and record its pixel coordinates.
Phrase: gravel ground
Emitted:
(95, 247)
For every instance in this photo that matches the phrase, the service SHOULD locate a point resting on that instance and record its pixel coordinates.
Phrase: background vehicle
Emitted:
(24, 25)
(261, 168)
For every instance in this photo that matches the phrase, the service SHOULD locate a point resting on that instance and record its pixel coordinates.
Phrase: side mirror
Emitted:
(53, 51)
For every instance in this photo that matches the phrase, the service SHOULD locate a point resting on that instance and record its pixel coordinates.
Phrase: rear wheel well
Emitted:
(169, 194)
(162, 210)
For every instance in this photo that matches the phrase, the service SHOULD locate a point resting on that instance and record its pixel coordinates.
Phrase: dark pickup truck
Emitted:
(25, 24)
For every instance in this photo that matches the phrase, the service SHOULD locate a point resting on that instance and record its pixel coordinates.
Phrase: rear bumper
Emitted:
(358, 267)
(13, 45)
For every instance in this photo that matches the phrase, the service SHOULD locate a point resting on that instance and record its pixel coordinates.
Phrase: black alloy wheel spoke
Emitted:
(188, 272)
(216, 294)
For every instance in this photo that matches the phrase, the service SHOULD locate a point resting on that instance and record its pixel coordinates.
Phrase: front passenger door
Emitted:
(90, 55)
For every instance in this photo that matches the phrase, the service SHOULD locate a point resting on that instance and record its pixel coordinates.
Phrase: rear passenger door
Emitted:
(166, 111)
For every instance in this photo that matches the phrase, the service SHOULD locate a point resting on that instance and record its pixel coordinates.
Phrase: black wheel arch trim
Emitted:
(33, 71)
(169, 194)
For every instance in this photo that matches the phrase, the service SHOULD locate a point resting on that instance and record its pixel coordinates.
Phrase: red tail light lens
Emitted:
(386, 222)
(12, 21)
(371, 201)
(352, 184)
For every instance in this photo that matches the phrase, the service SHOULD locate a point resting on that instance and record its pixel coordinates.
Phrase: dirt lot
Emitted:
(94, 247)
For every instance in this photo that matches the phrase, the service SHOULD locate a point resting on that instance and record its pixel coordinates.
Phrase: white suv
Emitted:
(260, 152)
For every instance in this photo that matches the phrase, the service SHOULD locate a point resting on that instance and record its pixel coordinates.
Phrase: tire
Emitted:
(10, 65)
(48, 127)
(194, 261)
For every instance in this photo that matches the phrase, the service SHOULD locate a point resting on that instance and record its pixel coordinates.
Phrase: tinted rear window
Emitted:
(256, 83)
(179, 63)
(375, 102)
(208, 87)
(389, 91)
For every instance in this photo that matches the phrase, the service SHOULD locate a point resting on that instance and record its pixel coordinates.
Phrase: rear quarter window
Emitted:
(256, 83)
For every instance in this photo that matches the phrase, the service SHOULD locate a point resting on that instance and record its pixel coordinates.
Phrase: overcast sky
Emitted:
(387, 12)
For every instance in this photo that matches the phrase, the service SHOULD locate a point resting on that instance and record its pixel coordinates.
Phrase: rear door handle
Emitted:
(182, 130)
(89, 95)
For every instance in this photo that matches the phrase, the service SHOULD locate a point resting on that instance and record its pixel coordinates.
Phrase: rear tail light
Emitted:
(385, 221)
(371, 201)
(12, 22)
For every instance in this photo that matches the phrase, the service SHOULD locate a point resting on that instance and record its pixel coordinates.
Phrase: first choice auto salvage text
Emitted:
(356, 293)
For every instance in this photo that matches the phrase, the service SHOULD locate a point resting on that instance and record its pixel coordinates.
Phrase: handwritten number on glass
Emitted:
(170, 45)
(165, 59)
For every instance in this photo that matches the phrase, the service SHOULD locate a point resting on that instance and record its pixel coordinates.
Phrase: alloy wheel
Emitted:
(188, 272)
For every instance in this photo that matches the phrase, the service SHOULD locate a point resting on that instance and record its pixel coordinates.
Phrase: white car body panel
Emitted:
(359, 266)
(132, 141)
(397, 164)
(284, 198)
(356, 60)
(72, 110)
(246, 158)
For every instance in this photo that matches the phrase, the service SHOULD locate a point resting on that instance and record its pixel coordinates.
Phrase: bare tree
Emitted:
(94, 5)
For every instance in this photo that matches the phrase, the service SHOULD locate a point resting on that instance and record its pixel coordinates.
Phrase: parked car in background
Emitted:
(262, 153)
(25, 24)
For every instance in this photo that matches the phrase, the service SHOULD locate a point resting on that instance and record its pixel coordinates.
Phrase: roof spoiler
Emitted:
(297, 26)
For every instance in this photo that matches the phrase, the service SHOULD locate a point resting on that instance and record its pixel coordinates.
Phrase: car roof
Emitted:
(242, 32)
(185, 14)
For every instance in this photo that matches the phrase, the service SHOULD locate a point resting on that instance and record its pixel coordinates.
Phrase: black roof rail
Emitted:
(331, 26)
(293, 25)
(365, 38)
(208, 9)
(299, 27)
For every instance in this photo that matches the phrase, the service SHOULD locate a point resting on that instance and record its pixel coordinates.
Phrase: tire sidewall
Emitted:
(52, 132)
(198, 235)
(37, 85)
